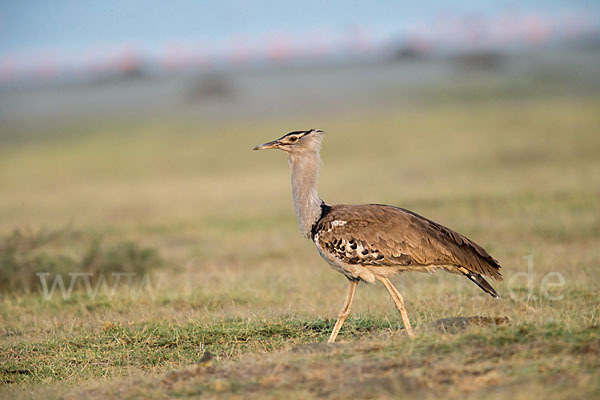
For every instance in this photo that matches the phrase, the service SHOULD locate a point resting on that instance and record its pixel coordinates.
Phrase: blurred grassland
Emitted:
(520, 177)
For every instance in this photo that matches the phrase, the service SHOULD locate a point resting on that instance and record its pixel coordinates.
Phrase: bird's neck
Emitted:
(307, 203)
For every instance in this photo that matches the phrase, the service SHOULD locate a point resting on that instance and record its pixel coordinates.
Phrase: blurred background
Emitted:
(126, 130)
(237, 60)
(135, 120)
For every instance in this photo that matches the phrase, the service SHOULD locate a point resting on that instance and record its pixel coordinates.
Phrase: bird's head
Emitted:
(296, 142)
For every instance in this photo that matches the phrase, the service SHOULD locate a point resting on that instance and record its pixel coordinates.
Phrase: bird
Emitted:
(373, 242)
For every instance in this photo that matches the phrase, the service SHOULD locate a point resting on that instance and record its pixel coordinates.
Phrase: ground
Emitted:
(237, 303)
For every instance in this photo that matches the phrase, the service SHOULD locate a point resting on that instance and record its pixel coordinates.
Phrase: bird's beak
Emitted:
(269, 145)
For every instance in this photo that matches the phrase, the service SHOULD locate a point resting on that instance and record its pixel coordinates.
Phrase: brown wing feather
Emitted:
(380, 235)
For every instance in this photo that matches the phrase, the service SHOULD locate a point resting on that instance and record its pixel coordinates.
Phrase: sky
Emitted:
(75, 25)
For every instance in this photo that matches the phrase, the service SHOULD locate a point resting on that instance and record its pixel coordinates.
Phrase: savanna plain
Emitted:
(200, 284)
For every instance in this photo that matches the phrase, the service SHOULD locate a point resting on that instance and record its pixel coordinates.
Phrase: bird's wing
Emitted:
(380, 235)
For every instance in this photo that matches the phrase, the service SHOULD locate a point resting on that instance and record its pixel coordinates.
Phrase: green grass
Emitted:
(210, 225)
(432, 364)
(110, 350)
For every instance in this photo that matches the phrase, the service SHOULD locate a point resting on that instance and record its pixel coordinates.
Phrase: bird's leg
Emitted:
(345, 311)
(399, 302)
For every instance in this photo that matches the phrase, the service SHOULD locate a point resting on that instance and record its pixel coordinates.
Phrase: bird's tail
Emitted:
(479, 281)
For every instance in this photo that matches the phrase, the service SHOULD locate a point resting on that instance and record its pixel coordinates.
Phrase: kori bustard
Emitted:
(370, 242)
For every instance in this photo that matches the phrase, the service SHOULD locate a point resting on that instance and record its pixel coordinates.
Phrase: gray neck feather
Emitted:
(307, 203)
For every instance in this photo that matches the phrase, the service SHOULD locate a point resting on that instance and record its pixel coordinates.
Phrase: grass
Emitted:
(25, 255)
(226, 299)
(161, 345)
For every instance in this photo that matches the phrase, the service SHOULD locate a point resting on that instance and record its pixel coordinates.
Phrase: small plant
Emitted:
(23, 254)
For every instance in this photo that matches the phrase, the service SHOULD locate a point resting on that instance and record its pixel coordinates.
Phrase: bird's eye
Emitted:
(293, 139)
